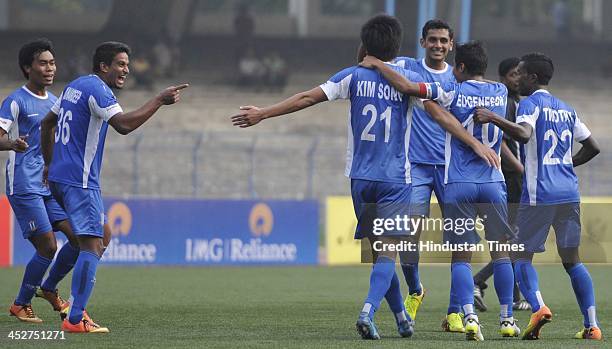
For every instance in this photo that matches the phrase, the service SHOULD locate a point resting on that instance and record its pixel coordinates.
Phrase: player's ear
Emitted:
(452, 44)
(103, 67)
(422, 42)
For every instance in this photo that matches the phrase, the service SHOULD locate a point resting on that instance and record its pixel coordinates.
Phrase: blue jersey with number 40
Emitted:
(378, 123)
(461, 99)
(549, 172)
(83, 110)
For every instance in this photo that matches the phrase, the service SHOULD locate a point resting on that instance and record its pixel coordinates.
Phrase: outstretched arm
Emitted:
(452, 125)
(125, 123)
(19, 145)
(397, 80)
(521, 132)
(589, 150)
(251, 115)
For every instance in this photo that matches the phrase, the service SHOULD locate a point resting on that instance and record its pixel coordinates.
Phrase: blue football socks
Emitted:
(34, 273)
(504, 285)
(380, 280)
(585, 295)
(64, 262)
(83, 281)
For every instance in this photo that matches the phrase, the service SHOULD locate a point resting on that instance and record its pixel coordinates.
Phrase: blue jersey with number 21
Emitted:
(378, 123)
(83, 110)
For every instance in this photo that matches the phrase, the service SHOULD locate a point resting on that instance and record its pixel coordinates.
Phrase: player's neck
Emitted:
(436, 65)
(476, 77)
(103, 79)
(37, 90)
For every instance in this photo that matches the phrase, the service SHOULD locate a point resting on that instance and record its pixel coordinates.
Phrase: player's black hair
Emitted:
(106, 52)
(474, 56)
(30, 50)
(539, 64)
(436, 24)
(381, 36)
(507, 64)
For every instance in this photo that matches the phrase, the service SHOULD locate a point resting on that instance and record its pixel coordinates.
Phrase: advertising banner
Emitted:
(204, 232)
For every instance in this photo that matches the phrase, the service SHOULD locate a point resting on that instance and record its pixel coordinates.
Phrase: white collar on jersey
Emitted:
(541, 91)
(34, 94)
(477, 81)
(432, 70)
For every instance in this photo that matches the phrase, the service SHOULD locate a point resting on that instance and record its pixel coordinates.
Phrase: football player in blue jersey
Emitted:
(427, 140)
(72, 141)
(377, 158)
(473, 189)
(513, 175)
(37, 212)
(547, 127)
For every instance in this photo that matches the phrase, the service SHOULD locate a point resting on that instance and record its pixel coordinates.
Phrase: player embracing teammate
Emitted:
(377, 161)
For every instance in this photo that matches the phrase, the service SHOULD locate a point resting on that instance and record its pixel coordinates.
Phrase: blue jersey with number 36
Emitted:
(549, 172)
(83, 110)
(461, 99)
(378, 123)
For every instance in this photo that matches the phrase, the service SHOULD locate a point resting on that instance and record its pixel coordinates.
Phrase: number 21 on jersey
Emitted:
(370, 110)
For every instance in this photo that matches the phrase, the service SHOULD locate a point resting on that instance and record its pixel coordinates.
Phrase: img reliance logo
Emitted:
(229, 247)
(120, 222)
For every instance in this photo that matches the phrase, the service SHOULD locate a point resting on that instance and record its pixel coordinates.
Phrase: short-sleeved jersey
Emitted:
(549, 172)
(461, 99)
(83, 110)
(20, 115)
(379, 122)
(427, 137)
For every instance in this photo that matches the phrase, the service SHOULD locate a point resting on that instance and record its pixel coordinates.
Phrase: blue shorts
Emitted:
(36, 213)
(84, 207)
(425, 179)
(464, 202)
(374, 201)
(534, 223)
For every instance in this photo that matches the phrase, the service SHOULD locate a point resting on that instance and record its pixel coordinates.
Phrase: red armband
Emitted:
(423, 90)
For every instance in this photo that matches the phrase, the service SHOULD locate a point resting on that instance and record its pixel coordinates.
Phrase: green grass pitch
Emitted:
(282, 307)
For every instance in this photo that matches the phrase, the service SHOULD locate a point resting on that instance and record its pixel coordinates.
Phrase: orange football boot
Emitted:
(538, 319)
(24, 313)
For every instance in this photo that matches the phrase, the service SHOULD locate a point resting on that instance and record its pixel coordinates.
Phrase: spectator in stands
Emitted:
(251, 69)
(244, 29)
(276, 71)
(141, 70)
(163, 57)
(561, 19)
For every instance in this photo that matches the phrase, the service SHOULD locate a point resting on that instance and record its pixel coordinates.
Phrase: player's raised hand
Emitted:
(483, 115)
(370, 62)
(487, 154)
(171, 94)
(20, 145)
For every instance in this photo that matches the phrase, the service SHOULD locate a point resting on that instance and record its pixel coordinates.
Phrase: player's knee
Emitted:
(47, 250)
(568, 266)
